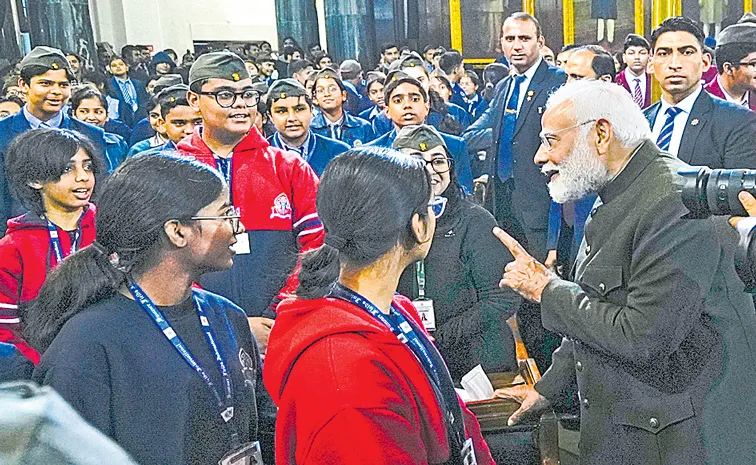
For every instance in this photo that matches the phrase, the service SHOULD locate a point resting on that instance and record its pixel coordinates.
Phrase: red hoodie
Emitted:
(349, 392)
(25, 258)
(276, 192)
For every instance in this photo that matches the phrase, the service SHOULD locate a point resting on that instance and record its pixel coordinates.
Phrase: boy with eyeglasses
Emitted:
(735, 56)
(274, 189)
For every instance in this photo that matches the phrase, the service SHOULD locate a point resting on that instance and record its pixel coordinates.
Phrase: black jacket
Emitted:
(463, 270)
(113, 365)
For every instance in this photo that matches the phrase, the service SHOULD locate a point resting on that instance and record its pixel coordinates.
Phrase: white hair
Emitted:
(593, 100)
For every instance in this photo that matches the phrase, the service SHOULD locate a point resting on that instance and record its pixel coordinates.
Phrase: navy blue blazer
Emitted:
(354, 131)
(381, 123)
(125, 112)
(530, 199)
(718, 134)
(320, 150)
(457, 149)
(13, 126)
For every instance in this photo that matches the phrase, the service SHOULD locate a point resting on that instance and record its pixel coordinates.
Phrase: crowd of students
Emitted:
(158, 217)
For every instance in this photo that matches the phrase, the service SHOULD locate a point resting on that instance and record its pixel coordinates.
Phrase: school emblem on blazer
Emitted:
(248, 368)
(281, 207)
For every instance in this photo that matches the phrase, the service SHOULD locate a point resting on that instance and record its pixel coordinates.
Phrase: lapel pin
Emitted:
(540, 110)
(530, 95)
(694, 122)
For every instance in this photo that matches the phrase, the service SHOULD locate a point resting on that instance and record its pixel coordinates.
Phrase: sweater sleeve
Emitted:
(11, 276)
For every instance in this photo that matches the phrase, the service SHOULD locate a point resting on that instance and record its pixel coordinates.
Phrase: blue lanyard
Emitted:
(55, 242)
(409, 335)
(224, 166)
(226, 407)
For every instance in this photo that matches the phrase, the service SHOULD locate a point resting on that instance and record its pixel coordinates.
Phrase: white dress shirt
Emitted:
(35, 122)
(524, 84)
(681, 120)
(630, 78)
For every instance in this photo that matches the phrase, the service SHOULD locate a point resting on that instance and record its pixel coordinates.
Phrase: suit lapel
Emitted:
(653, 111)
(530, 96)
(698, 118)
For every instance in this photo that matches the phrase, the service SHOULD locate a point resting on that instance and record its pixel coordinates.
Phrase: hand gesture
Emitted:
(531, 402)
(260, 328)
(749, 203)
(525, 275)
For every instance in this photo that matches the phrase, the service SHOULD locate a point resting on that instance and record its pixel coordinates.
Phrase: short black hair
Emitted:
(84, 92)
(675, 24)
(473, 77)
(522, 16)
(388, 46)
(635, 40)
(13, 99)
(602, 63)
(298, 65)
(42, 155)
(732, 53)
(449, 61)
(567, 48)
(117, 57)
(28, 72)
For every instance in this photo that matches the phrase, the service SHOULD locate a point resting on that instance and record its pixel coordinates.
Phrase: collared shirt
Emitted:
(127, 87)
(35, 122)
(334, 127)
(681, 120)
(630, 78)
(303, 150)
(525, 83)
(730, 98)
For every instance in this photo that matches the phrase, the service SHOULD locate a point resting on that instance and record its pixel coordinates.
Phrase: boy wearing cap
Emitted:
(290, 110)
(275, 190)
(354, 83)
(46, 81)
(735, 56)
(177, 118)
(333, 120)
(407, 104)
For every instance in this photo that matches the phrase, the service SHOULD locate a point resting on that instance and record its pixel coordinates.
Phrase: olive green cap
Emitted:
(284, 88)
(218, 65)
(421, 137)
(743, 33)
(50, 58)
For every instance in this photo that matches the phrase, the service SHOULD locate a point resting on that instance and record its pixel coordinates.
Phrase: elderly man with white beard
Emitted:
(659, 336)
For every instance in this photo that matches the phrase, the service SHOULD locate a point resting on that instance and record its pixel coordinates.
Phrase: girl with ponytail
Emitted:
(168, 371)
(355, 377)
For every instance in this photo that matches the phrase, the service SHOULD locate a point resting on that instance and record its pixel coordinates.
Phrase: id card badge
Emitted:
(242, 244)
(468, 453)
(246, 454)
(427, 313)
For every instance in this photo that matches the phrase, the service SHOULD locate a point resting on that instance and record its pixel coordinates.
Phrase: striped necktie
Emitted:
(665, 136)
(637, 94)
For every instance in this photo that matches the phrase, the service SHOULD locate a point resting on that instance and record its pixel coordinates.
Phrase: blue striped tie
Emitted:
(665, 136)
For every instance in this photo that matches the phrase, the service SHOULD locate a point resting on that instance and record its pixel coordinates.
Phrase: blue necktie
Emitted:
(504, 169)
(665, 136)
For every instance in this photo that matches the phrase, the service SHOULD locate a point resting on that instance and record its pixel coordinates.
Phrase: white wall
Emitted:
(177, 23)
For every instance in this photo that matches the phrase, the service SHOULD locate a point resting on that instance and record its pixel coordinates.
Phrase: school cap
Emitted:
(285, 88)
(743, 33)
(172, 93)
(218, 65)
(350, 69)
(396, 78)
(420, 137)
(168, 80)
(48, 57)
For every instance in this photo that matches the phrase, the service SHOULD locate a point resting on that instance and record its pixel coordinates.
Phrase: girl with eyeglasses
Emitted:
(354, 375)
(168, 371)
(457, 284)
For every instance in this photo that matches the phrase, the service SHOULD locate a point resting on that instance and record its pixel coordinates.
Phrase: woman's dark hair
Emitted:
(42, 155)
(84, 92)
(140, 196)
(366, 200)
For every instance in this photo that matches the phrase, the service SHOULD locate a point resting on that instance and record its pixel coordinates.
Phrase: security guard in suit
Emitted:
(510, 131)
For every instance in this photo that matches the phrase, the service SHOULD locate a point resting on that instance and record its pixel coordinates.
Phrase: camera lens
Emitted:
(708, 192)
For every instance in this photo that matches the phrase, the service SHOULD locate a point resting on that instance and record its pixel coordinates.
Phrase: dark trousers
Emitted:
(539, 342)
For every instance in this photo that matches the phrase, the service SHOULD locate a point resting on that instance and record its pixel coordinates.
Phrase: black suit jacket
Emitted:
(531, 201)
(718, 134)
(125, 113)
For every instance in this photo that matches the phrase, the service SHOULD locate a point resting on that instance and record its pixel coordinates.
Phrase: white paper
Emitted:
(477, 385)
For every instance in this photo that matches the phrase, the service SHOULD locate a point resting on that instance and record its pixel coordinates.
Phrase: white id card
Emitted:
(246, 454)
(242, 244)
(427, 314)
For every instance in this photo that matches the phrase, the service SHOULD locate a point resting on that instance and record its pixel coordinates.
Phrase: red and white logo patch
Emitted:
(281, 207)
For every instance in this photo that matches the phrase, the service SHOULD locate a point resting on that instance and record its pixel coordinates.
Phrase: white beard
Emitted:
(580, 174)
